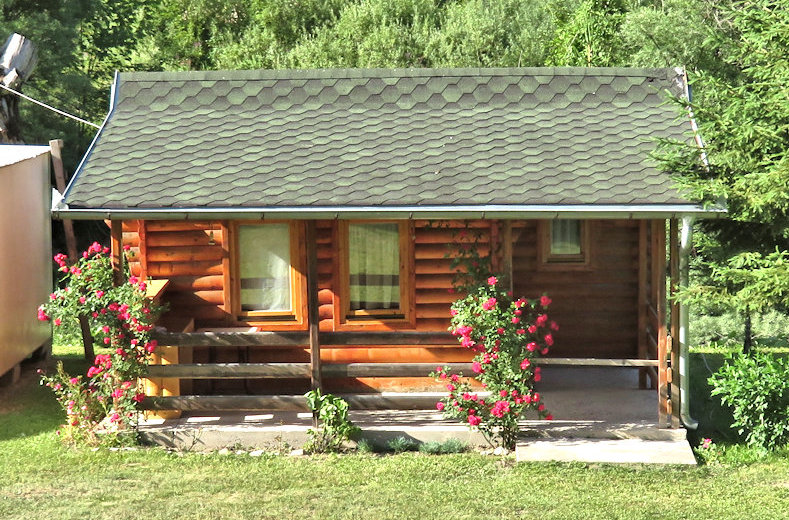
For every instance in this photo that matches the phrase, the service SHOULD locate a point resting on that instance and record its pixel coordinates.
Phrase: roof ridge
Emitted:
(351, 73)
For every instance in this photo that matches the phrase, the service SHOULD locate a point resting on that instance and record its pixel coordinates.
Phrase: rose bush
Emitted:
(101, 407)
(506, 335)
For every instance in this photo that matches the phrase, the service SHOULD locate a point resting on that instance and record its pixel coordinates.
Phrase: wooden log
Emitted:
(178, 299)
(641, 301)
(196, 283)
(440, 310)
(191, 238)
(169, 269)
(441, 266)
(183, 225)
(185, 254)
(434, 281)
(440, 296)
(231, 370)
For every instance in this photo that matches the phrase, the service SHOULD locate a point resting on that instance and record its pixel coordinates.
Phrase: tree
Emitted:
(743, 116)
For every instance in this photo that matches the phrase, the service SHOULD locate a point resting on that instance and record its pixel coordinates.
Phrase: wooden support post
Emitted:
(495, 253)
(116, 250)
(642, 300)
(313, 318)
(659, 290)
(506, 253)
(142, 232)
(55, 147)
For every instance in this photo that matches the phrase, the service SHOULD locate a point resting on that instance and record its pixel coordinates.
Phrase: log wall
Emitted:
(596, 307)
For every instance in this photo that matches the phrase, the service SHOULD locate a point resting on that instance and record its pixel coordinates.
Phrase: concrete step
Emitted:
(614, 451)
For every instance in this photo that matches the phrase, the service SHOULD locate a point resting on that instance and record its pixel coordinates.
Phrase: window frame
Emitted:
(296, 316)
(553, 261)
(403, 316)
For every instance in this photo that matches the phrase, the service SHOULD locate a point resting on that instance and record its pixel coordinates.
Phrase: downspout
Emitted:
(685, 245)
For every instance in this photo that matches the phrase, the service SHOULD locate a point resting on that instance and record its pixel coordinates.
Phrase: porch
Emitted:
(596, 409)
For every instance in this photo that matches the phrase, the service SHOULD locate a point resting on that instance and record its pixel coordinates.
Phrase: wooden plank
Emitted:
(597, 362)
(231, 370)
(142, 235)
(55, 147)
(155, 288)
(116, 250)
(170, 269)
(674, 320)
(390, 369)
(387, 338)
(313, 311)
(197, 237)
(232, 339)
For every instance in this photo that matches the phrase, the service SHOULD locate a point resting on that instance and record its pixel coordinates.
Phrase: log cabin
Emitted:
(300, 223)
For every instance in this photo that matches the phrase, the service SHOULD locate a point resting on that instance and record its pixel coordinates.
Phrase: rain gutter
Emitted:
(685, 245)
(666, 211)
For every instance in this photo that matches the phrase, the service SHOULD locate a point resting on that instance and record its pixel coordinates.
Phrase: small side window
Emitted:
(565, 242)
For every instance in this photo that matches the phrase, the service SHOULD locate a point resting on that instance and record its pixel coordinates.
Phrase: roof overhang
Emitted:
(516, 212)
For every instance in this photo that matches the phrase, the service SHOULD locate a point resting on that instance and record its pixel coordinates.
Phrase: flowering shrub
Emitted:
(506, 335)
(101, 406)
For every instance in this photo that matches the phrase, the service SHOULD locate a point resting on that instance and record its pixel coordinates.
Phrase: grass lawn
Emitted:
(39, 478)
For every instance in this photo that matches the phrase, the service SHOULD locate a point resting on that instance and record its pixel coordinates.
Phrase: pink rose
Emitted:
(520, 331)
(440, 406)
(525, 364)
(516, 320)
(492, 280)
(489, 304)
(476, 367)
(549, 340)
(531, 347)
(473, 420)
(554, 325)
(542, 319)
(545, 301)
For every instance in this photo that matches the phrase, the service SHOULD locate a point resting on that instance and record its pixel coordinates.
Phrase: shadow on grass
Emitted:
(27, 408)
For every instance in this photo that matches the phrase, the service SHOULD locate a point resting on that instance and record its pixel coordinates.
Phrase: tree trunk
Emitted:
(747, 341)
(18, 58)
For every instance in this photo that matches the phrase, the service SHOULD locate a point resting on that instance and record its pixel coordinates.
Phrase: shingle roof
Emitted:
(403, 137)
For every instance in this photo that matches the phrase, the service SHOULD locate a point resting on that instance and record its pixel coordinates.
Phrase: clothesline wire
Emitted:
(94, 125)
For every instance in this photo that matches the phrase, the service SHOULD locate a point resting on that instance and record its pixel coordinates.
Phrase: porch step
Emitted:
(615, 451)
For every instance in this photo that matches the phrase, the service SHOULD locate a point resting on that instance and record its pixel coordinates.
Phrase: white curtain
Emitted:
(374, 266)
(566, 237)
(265, 267)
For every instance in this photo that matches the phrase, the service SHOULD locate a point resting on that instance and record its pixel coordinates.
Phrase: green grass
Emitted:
(39, 478)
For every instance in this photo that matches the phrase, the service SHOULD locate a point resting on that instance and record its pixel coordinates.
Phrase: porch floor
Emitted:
(593, 408)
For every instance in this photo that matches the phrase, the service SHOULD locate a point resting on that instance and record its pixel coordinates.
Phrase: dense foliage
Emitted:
(756, 387)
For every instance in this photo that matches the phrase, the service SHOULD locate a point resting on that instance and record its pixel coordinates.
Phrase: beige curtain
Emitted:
(265, 267)
(374, 266)
(566, 237)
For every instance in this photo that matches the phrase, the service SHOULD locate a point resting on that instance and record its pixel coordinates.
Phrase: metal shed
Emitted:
(25, 252)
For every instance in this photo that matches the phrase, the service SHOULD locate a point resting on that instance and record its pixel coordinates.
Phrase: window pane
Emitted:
(374, 266)
(566, 237)
(265, 267)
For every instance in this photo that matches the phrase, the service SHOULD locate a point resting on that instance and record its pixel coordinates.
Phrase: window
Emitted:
(564, 242)
(269, 281)
(374, 269)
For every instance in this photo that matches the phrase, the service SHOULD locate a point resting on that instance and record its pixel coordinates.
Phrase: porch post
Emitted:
(658, 251)
(506, 252)
(116, 251)
(312, 306)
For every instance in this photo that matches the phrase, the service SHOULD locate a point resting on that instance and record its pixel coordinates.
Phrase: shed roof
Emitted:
(406, 141)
